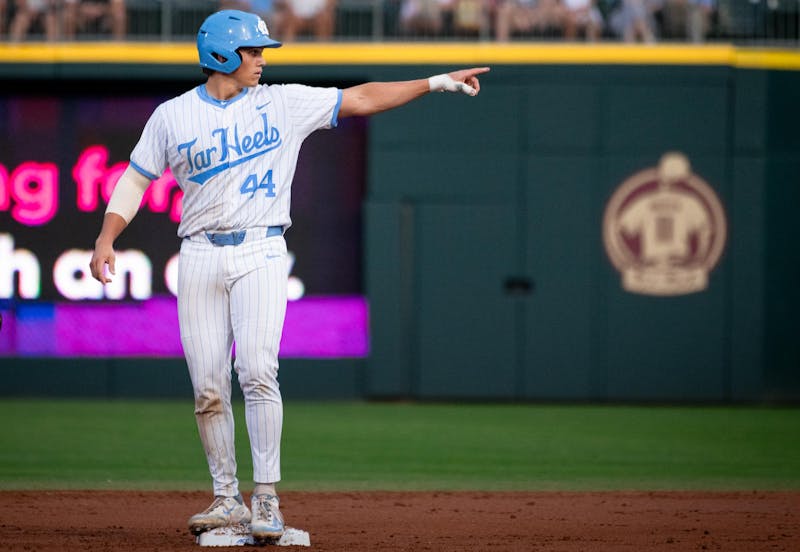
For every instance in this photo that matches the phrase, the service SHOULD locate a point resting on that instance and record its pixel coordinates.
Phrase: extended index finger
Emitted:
(478, 70)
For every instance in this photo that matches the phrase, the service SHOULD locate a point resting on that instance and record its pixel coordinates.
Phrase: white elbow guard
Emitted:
(443, 82)
(128, 193)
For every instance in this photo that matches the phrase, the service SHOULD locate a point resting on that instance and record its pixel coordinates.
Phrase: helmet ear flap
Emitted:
(217, 55)
(221, 58)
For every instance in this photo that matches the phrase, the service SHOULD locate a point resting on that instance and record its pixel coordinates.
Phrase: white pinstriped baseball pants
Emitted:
(235, 294)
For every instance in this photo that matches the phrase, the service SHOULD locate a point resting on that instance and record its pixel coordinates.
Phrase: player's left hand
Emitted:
(102, 256)
(464, 81)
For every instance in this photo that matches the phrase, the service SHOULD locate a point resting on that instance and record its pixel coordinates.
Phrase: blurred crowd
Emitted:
(499, 20)
(591, 20)
(61, 19)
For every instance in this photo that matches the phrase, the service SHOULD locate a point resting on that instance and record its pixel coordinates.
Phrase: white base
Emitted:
(239, 535)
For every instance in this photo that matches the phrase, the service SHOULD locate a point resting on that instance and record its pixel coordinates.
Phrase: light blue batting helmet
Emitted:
(225, 31)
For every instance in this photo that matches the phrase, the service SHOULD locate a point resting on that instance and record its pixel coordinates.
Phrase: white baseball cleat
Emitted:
(267, 521)
(224, 511)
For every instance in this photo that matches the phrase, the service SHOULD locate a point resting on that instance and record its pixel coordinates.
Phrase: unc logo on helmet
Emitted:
(223, 32)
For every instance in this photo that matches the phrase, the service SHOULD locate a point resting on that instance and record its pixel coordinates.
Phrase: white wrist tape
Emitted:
(444, 83)
(128, 193)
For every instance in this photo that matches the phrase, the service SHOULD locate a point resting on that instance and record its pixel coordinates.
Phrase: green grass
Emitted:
(354, 446)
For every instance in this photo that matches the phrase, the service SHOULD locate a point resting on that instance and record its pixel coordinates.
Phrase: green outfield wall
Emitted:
(488, 224)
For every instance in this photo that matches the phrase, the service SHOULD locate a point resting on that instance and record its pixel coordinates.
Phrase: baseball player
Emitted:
(232, 145)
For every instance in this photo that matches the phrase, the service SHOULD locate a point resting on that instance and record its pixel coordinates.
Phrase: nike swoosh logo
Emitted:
(262, 106)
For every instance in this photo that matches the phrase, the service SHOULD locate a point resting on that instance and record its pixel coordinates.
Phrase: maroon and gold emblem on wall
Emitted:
(664, 229)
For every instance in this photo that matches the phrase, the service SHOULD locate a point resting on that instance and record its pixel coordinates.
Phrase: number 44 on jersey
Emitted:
(251, 185)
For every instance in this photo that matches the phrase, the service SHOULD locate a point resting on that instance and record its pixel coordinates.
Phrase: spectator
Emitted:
(423, 17)
(28, 12)
(472, 17)
(542, 16)
(3, 14)
(583, 17)
(95, 17)
(274, 11)
(684, 19)
(633, 20)
(314, 16)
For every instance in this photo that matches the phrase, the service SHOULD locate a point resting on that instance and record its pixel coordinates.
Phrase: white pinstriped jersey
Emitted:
(235, 159)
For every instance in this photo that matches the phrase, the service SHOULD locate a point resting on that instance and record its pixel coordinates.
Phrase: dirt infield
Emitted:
(441, 521)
